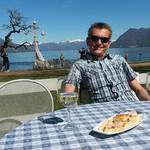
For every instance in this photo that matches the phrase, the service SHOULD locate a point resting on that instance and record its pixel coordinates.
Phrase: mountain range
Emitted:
(131, 38)
(73, 45)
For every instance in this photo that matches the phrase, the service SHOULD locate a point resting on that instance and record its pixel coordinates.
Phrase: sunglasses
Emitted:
(95, 38)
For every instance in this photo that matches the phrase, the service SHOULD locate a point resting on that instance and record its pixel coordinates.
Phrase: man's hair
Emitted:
(99, 25)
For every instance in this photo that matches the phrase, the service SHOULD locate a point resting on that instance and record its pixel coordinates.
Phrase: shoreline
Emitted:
(135, 65)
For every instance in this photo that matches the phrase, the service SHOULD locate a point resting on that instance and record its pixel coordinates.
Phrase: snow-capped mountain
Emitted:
(68, 45)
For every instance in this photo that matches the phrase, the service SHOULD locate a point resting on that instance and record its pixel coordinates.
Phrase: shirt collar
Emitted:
(95, 58)
(108, 56)
(86, 55)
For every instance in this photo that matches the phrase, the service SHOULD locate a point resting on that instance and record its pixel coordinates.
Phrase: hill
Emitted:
(133, 38)
(68, 45)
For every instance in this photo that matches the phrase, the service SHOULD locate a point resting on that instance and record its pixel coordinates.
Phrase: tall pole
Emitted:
(38, 54)
(34, 25)
(34, 31)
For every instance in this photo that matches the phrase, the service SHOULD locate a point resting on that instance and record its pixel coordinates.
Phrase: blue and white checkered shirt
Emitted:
(104, 80)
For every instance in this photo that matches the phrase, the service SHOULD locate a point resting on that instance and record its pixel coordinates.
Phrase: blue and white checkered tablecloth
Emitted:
(41, 136)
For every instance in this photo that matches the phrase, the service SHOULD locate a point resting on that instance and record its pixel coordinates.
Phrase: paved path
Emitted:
(50, 83)
(142, 78)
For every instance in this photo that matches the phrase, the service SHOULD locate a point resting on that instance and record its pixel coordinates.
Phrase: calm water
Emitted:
(25, 60)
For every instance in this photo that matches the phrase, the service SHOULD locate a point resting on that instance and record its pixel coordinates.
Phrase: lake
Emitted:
(25, 60)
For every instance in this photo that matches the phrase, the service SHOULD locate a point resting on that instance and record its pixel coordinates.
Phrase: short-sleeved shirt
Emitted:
(104, 80)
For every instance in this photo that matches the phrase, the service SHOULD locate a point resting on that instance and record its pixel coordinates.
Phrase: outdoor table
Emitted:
(38, 135)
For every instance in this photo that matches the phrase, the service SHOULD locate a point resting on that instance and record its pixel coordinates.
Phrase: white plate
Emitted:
(96, 128)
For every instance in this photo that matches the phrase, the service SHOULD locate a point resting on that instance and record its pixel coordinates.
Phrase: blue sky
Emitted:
(65, 20)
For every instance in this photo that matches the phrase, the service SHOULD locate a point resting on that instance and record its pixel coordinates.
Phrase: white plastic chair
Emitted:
(22, 100)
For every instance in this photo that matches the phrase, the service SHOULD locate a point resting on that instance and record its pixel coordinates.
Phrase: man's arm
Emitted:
(139, 90)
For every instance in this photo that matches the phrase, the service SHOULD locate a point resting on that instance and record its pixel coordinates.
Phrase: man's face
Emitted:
(99, 42)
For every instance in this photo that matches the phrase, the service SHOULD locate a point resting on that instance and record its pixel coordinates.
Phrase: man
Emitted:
(106, 77)
(62, 60)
